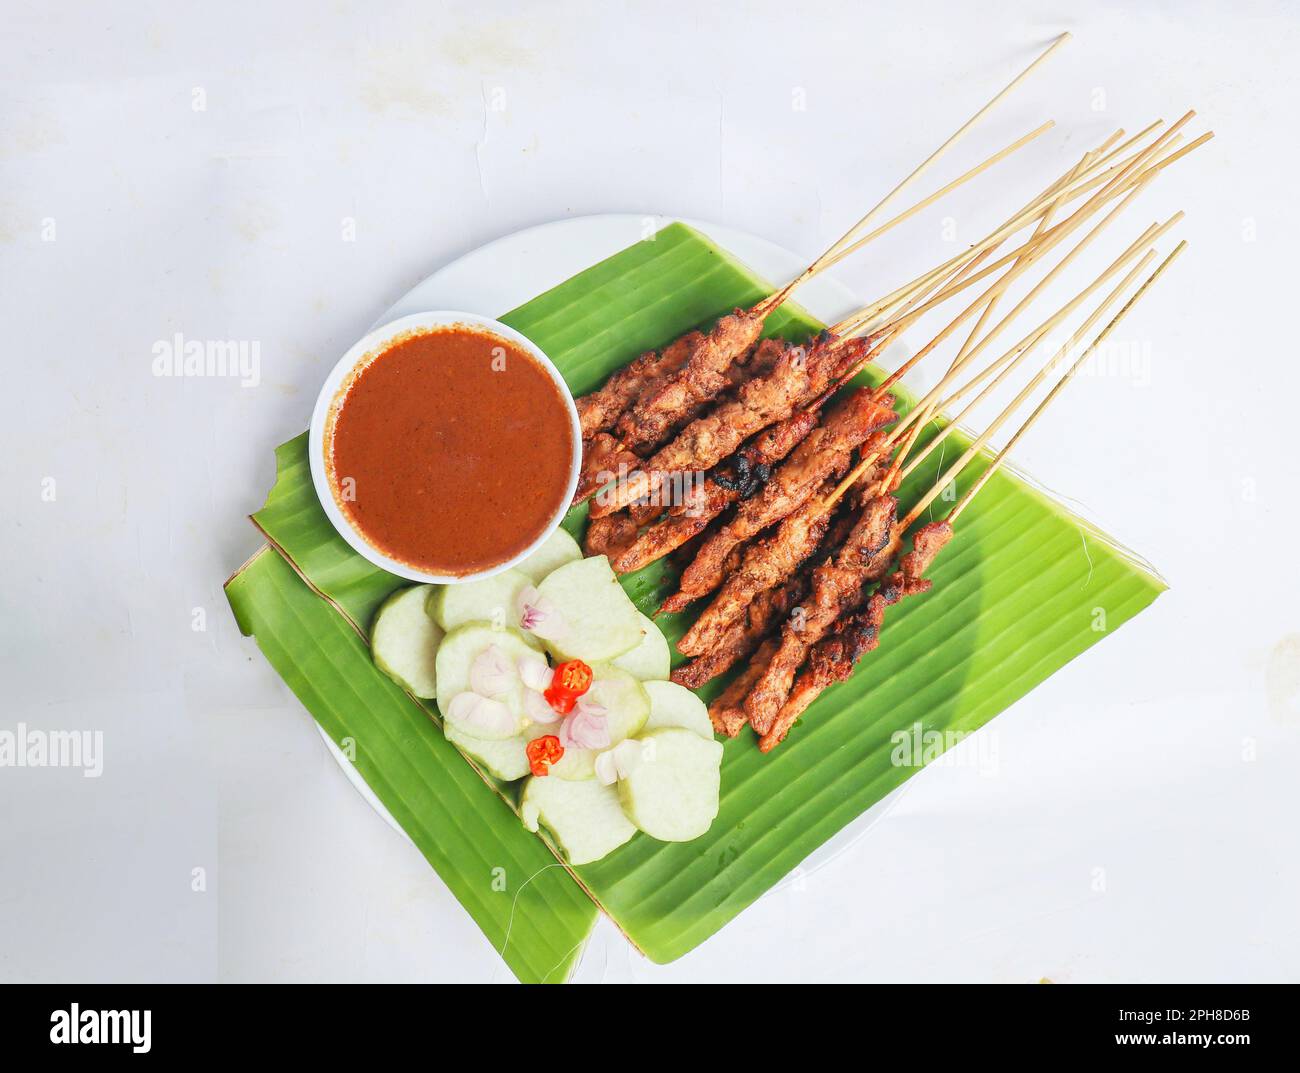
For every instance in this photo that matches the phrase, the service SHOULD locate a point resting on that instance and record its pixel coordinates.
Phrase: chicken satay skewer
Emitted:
(599, 410)
(643, 484)
(834, 657)
(697, 446)
(678, 455)
(602, 410)
(838, 585)
(852, 422)
(727, 712)
(632, 550)
(676, 531)
(661, 539)
(687, 520)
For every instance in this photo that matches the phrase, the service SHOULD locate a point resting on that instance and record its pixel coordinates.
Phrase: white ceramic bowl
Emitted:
(369, 347)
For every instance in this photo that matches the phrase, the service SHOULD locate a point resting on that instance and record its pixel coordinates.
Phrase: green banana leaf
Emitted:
(529, 908)
(1024, 588)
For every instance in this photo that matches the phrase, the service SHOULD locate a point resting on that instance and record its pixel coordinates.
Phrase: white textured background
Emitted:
(1166, 756)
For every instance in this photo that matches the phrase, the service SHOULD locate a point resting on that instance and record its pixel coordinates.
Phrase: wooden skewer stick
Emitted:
(943, 191)
(978, 443)
(1109, 181)
(994, 292)
(1152, 234)
(1029, 341)
(1031, 255)
(965, 500)
(1128, 174)
(847, 328)
(957, 135)
(1049, 200)
(970, 354)
(830, 257)
(894, 476)
(1038, 378)
(1117, 186)
(850, 325)
(1093, 180)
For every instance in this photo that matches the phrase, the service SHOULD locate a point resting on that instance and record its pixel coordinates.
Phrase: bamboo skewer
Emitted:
(864, 620)
(823, 262)
(1130, 172)
(942, 192)
(1069, 375)
(1033, 384)
(1048, 201)
(1025, 344)
(991, 295)
(1152, 234)
(978, 443)
(956, 421)
(1115, 188)
(763, 308)
(957, 135)
(894, 476)
(1108, 181)
(968, 355)
(1089, 173)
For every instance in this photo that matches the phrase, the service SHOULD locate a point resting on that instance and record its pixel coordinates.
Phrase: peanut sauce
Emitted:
(451, 450)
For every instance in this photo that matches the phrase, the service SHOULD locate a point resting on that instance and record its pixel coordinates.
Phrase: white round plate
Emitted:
(506, 273)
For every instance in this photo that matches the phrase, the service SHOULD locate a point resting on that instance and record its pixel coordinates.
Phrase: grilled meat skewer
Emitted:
(766, 563)
(825, 450)
(799, 376)
(747, 473)
(832, 659)
(837, 586)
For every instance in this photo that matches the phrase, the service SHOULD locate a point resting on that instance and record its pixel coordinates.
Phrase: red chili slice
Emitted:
(570, 681)
(542, 753)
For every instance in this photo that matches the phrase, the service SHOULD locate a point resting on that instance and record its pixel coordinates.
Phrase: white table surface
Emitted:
(170, 168)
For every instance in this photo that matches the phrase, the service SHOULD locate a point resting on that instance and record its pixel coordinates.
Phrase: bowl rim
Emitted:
(366, 349)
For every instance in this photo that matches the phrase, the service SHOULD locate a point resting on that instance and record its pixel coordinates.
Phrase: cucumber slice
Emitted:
(404, 641)
(628, 706)
(558, 548)
(672, 705)
(600, 621)
(650, 660)
(494, 600)
(506, 759)
(456, 656)
(671, 787)
(585, 818)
